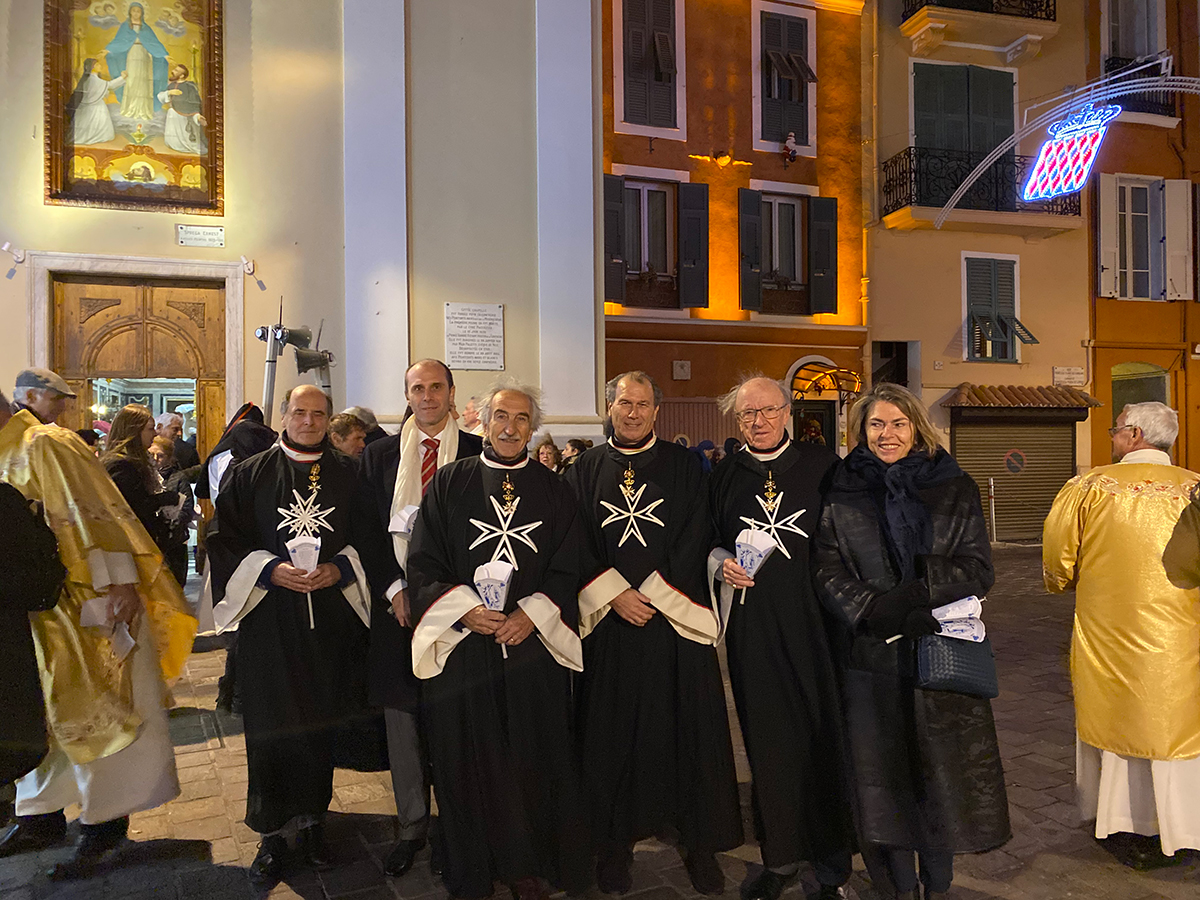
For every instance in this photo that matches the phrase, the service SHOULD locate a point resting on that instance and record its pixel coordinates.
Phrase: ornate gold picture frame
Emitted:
(134, 104)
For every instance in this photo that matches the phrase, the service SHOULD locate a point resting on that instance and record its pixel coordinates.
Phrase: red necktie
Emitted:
(428, 463)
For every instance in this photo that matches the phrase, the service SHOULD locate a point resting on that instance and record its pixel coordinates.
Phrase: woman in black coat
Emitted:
(901, 533)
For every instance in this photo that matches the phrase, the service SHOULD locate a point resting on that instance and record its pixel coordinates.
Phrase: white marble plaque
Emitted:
(475, 336)
(200, 235)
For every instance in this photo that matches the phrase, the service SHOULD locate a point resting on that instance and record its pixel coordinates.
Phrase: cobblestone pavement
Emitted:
(197, 846)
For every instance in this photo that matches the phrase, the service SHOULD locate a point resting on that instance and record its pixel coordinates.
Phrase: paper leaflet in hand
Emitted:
(966, 608)
(94, 614)
(402, 522)
(305, 552)
(753, 548)
(491, 581)
(960, 620)
(971, 629)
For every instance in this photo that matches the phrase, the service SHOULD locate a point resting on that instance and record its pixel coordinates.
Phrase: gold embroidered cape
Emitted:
(88, 691)
(1135, 649)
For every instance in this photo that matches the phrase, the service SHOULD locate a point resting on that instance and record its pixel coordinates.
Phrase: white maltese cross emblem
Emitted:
(631, 515)
(505, 533)
(773, 525)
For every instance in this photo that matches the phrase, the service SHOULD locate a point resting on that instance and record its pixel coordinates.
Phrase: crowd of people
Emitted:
(531, 635)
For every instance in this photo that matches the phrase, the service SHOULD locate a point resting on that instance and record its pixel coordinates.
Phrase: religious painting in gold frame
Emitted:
(134, 104)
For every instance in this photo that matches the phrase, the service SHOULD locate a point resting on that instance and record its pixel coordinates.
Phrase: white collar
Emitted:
(633, 451)
(1150, 455)
(767, 457)
(301, 456)
(492, 464)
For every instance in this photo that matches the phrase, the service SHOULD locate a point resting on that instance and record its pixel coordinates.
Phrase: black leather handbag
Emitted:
(961, 667)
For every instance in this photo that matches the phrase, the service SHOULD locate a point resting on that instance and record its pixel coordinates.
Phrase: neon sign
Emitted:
(1065, 161)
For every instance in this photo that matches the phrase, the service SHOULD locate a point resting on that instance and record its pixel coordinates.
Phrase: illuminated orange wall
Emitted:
(719, 117)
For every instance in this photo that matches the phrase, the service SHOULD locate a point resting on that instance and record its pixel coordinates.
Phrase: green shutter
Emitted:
(661, 63)
(772, 57)
(982, 324)
(750, 248)
(784, 38)
(822, 254)
(991, 107)
(639, 61)
(614, 238)
(941, 107)
(693, 245)
(795, 110)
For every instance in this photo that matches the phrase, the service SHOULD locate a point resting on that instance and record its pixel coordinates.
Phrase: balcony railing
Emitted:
(1026, 9)
(1157, 103)
(920, 176)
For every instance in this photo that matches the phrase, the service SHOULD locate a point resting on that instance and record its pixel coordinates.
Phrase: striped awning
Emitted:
(1019, 396)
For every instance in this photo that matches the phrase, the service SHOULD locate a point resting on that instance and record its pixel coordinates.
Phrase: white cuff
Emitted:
(596, 598)
(563, 643)
(435, 635)
(357, 593)
(242, 592)
(110, 567)
(692, 621)
(394, 588)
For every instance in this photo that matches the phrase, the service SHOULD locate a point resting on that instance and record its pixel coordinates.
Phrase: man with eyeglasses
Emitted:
(1124, 538)
(495, 648)
(779, 663)
(657, 754)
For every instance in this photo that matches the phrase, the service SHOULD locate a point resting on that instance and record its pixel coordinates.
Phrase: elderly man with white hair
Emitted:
(43, 393)
(493, 569)
(1135, 657)
(169, 425)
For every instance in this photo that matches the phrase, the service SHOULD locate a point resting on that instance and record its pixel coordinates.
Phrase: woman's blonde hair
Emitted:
(925, 435)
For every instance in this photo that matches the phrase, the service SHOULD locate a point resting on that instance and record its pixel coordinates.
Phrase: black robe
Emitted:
(926, 767)
(303, 688)
(656, 749)
(391, 680)
(499, 731)
(779, 662)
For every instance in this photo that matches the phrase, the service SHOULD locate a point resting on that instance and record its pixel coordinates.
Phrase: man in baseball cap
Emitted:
(43, 393)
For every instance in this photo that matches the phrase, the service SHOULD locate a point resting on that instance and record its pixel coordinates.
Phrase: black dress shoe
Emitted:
(96, 845)
(613, 874)
(705, 873)
(767, 886)
(401, 858)
(267, 868)
(312, 846)
(26, 834)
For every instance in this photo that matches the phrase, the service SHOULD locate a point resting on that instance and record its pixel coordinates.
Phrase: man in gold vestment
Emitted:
(110, 751)
(1135, 650)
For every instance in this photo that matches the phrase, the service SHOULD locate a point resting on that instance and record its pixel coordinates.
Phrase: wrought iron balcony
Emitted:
(1156, 103)
(1026, 9)
(920, 176)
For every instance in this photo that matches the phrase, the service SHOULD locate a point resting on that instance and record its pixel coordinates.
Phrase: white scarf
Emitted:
(408, 475)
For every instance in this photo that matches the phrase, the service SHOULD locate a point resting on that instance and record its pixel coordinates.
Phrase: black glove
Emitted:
(918, 623)
(888, 613)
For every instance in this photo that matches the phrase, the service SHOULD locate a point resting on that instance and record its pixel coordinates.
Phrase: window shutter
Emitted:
(638, 62)
(772, 107)
(981, 306)
(991, 107)
(1106, 278)
(795, 110)
(1158, 241)
(822, 254)
(941, 107)
(614, 238)
(750, 248)
(660, 81)
(693, 245)
(1006, 308)
(1178, 213)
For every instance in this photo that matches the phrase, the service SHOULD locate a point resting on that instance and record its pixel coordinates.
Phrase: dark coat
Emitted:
(391, 680)
(926, 766)
(31, 577)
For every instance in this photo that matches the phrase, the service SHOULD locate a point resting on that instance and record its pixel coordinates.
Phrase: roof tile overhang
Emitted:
(1019, 396)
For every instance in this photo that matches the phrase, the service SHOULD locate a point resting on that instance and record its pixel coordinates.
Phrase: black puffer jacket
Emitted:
(925, 765)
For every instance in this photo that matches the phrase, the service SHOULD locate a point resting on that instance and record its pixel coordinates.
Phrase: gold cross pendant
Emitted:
(769, 492)
(510, 495)
(627, 482)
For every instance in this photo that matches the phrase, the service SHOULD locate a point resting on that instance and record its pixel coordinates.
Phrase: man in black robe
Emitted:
(396, 472)
(302, 630)
(779, 662)
(656, 748)
(496, 691)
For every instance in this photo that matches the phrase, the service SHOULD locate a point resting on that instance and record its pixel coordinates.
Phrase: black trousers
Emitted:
(895, 865)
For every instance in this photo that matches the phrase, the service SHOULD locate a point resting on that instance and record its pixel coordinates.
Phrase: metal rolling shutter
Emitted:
(1022, 499)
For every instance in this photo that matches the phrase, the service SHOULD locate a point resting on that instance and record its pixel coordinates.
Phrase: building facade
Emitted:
(983, 316)
(732, 213)
(1145, 334)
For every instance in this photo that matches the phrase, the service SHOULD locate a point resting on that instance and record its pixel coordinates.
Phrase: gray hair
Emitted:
(508, 383)
(728, 401)
(364, 414)
(287, 399)
(610, 388)
(26, 394)
(164, 419)
(1159, 423)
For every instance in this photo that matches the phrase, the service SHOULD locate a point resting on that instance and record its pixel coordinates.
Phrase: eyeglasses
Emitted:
(770, 413)
(1112, 432)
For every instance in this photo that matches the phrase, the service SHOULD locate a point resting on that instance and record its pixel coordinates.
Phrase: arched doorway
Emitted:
(820, 391)
(136, 330)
